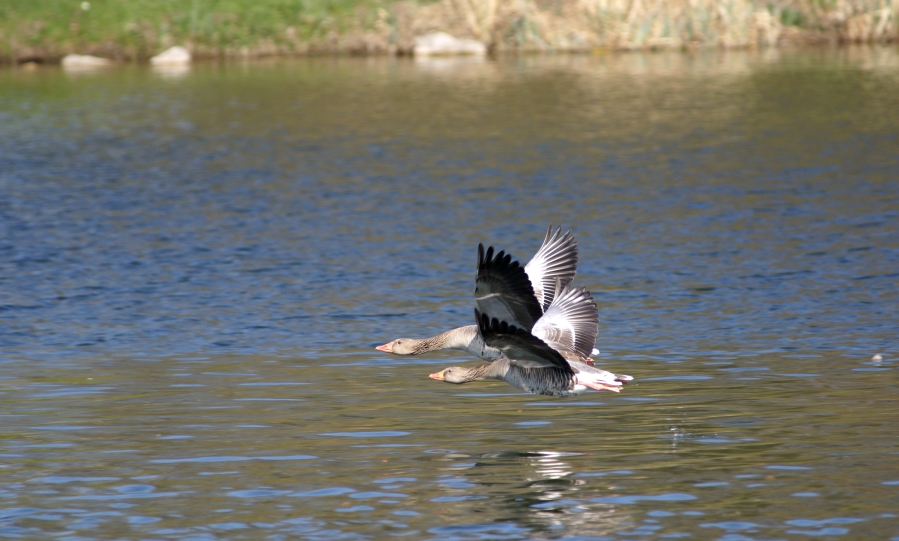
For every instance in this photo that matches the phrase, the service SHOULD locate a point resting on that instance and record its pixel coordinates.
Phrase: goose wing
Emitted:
(571, 323)
(521, 347)
(556, 258)
(504, 291)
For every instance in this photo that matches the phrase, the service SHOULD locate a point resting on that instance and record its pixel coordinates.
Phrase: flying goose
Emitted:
(541, 355)
(550, 270)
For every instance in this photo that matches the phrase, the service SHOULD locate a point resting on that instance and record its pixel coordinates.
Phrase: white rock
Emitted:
(172, 56)
(441, 43)
(80, 61)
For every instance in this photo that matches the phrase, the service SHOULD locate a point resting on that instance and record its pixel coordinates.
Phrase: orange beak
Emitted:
(386, 348)
(437, 375)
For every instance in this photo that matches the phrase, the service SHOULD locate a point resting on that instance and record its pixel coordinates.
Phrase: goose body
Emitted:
(543, 352)
(531, 364)
(558, 383)
(552, 268)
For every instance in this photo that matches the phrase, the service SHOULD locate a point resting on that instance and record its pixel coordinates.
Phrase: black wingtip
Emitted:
(491, 326)
(501, 260)
(483, 322)
(501, 270)
(487, 258)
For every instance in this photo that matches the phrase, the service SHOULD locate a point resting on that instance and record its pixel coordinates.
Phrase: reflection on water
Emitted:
(195, 267)
(171, 71)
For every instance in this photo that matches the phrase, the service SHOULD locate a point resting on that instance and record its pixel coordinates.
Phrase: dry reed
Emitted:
(642, 24)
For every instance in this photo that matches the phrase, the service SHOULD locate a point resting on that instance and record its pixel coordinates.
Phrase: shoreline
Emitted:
(57, 60)
(875, 56)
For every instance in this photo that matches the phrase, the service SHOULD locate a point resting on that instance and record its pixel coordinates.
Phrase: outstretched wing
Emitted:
(521, 347)
(503, 290)
(556, 258)
(571, 323)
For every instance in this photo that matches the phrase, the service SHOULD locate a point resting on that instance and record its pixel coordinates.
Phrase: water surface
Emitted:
(195, 267)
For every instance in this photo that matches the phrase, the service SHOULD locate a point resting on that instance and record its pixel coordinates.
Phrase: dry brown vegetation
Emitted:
(640, 24)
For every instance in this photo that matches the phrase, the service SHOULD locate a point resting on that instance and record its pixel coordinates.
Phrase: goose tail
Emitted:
(600, 380)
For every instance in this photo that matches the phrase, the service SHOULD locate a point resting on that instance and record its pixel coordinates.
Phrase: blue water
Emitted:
(195, 268)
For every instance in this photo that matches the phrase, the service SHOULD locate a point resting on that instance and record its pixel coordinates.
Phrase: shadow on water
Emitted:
(195, 268)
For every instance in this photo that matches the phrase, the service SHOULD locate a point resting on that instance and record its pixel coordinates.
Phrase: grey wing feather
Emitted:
(521, 347)
(556, 258)
(571, 323)
(503, 290)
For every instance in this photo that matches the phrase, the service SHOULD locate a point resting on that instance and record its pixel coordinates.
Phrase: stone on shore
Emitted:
(84, 61)
(173, 56)
(441, 43)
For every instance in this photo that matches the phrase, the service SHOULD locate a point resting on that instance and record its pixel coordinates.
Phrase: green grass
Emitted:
(142, 28)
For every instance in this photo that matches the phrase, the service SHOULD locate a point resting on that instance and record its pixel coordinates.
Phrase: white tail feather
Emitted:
(600, 380)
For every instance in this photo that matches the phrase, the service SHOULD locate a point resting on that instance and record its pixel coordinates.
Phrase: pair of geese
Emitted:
(536, 331)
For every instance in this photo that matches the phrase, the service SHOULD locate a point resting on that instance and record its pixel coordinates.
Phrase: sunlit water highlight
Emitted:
(196, 265)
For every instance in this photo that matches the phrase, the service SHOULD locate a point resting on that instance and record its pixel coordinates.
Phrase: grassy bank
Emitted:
(46, 30)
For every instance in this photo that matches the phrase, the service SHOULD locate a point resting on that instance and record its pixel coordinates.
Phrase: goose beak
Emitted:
(437, 375)
(386, 348)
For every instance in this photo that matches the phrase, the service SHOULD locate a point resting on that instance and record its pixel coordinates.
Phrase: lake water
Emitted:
(195, 267)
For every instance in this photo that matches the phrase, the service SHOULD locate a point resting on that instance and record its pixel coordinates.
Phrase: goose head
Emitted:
(453, 374)
(400, 346)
